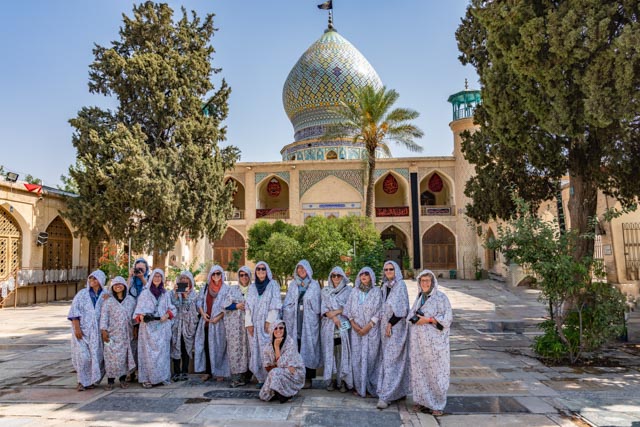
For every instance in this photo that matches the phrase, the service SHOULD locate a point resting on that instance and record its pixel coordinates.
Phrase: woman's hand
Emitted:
(250, 330)
(105, 336)
(240, 306)
(217, 318)
(388, 331)
(292, 369)
(164, 318)
(106, 296)
(423, 320)
(267, 326)
(204, 315)
(78, 333)
(336, 320)
(364, 331)
(277, 341)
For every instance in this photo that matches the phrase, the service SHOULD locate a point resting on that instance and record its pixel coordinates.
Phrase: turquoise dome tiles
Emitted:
(330, 70)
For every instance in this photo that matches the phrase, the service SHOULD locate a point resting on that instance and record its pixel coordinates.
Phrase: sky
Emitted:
(47, 46)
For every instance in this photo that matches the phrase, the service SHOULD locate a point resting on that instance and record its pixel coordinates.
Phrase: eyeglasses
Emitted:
(217, 273)
(364, 273)
(336, 275)
(389, 269)
(261, 268)
(279, 328)
(243, 275)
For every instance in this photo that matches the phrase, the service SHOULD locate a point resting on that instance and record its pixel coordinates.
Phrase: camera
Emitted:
(182, 287)
(415, 317)
(150, 318)
(138, 271)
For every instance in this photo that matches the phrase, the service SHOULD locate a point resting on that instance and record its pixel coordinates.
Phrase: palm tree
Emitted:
(371, 121)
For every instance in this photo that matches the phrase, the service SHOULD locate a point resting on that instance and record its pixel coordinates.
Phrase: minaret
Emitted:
(468, 242)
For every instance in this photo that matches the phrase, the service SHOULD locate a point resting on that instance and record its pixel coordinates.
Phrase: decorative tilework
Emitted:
(331, 70)
(284, 175)
(404, 172)
(352, 177)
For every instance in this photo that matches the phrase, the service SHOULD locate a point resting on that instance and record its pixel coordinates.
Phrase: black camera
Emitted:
(182, 287)
(138, 271)
(415, 317)
(150, 318)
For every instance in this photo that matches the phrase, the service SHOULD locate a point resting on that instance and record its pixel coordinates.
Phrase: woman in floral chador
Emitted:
(237, 336)
(154, 312)
(183, 331)
(429, 321)
(116, 325)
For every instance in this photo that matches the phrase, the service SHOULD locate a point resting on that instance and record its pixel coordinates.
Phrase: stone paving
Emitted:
(495, 381)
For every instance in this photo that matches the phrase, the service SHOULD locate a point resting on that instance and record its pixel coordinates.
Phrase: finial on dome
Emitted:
(466, 84)
(328, 5)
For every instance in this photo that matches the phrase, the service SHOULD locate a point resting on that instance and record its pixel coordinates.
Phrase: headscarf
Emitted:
(102, 279)
(398, 275)
(303, 284)
(434, 285)
(329, 289)
(119, 280)
(138, 284)
(178, 296)
(358, 284)
(214, 289)
(156, 290)
(262, 285)
(247, 270)
(273, 330)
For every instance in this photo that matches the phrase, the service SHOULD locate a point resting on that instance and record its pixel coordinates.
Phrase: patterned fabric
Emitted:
(393, 382)
(280, 379)
(303, 317)
(185, 321)
(237, 336)
(365, 362)
(154, 338)
(116, 319)
(217, 339)
(429, 349)
(336, 358)
(86, 353)
(258, 309)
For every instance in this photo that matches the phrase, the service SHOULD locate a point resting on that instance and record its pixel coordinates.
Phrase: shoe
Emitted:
(343, 388)
(80, 387)
(237, 383)
(437, 413)
(219, 379)
(123, 384)
(205, 377)
(331, 386)
(147, 385)
(382, 404)
(176, 377)
(307, 384)
(108, 387)
(184, 377)
(259, 385)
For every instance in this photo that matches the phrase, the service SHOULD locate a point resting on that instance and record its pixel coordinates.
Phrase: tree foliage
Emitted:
(153, 168)
(559, 96)
(584, 314)
(371, 120)
(324, 242)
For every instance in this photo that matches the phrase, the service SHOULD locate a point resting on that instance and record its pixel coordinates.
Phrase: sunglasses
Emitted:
(243, 275)
(217, 273)
(389, 269)
(364, 273)
(279, 328)
(261, 269)
(336, 275)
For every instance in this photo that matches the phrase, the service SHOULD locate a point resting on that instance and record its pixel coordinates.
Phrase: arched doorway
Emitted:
(96, 250)
(399, 250)
(58, 251)
(224, 248)
(238, 200)
(439, 248)
(273, 199)
(490, 255)
(435, 195)
(10, 244)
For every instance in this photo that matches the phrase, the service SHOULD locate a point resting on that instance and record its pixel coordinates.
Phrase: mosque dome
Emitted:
(332, 69)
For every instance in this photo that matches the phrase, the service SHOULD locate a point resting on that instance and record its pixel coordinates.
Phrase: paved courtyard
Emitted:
(495, 381)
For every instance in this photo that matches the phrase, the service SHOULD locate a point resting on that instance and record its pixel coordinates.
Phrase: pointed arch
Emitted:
(490, 255)
(444, 197)
(232, 240)
(10, 243)
(58, 251)
(439, 248)
(239, 205)
(400, 241)
(272, 198)
(399, 198)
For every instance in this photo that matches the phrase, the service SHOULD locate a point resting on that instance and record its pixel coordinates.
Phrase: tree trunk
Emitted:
(583, 196)
(371, 163)
(159, 259)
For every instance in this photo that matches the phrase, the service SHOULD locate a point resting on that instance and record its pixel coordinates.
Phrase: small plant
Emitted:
(114, 262)
(234, 264)
(477, 263)
(193, 267)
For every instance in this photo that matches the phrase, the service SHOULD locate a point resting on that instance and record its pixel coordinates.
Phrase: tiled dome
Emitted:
(330, 70)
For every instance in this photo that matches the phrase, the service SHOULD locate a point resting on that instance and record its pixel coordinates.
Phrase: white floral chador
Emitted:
(280, 379)
(429, 348)
(185, 320)
(364, 307)
(116, 319)
(301, 313)
(86, 353)
(261, 306)
(217, 339)
(393, 382)
(237, 336)
(154, 337)
(336, 350)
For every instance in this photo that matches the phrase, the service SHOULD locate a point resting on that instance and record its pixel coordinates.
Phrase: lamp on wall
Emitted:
(42, 238)
(11, 176)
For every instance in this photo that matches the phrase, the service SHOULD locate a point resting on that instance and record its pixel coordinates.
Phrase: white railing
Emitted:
(36, 276)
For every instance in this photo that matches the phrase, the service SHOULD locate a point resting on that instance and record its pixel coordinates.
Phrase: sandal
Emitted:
(80, 387)
(437, 413)
(108, 387)
(147, 385)
(219, 379)
(123, 384)
(205, 377)
(343, 388)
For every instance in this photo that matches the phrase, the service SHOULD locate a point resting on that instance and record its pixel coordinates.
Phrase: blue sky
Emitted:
(47, 45)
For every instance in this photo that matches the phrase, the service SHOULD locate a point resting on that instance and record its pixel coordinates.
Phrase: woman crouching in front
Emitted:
(284, 365)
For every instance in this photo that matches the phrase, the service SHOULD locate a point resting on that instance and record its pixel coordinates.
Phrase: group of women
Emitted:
(366, 338)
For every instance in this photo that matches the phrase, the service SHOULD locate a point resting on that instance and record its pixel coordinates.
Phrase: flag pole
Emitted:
(331, 19)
